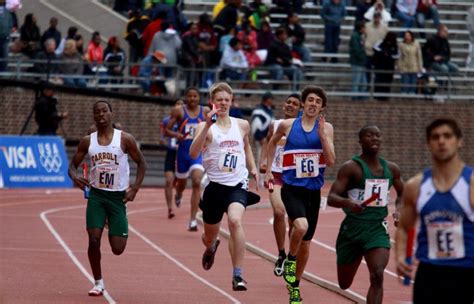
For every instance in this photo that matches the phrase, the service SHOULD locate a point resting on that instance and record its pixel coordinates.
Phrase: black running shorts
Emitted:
(170, 160)
(302, 202)
(217, 198)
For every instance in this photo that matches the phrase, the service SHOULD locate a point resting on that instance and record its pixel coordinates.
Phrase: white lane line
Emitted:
(178, 263)
(66, 248)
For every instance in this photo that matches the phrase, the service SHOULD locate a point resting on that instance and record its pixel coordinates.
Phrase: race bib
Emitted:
(445, 240)
(307, 165)
(173, 142)
(279, 156)
(378, 187)
(189, 130)
(228, 162)
(106, 177)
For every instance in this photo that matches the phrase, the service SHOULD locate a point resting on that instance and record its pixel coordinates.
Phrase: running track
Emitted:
(43, 256)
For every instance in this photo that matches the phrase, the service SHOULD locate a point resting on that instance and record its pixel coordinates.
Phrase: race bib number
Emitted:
(378, 187)
(307, 165)
(106, 177)
(190, 130)
(228, 162)
(445, 240)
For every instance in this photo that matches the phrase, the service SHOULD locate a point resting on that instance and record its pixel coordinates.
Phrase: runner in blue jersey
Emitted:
(308, 150)
(170, 160)
(188, 117)
(441, 200)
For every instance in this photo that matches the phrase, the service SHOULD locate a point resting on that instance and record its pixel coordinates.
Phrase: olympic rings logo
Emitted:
(50, 158)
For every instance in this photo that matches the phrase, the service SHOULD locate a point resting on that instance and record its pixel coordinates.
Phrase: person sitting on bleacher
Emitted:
(297, 35)
(427, 9)
(378, 8)
(437, 52)
(30, 36)
(46, 60)
(95, 55)
(248, 38)
(405, 11)
(265, 36)
(256, 13)
(114, 59)
(233, 62)
(279, 59)
(72, 64)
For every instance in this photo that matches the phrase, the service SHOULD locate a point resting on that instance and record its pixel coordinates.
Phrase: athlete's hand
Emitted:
(180, 137)
(263, 167)
(355, 207)
(209, 115)
(268, 179)
(403, 269)
(322, 125)
(81, 182)
(130, 195)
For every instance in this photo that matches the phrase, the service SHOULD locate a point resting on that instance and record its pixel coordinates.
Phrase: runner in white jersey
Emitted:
(108, 149)
(226, 156)
(291, 109)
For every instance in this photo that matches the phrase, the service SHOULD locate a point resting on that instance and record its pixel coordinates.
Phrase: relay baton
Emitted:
(214, 116)
(85, 174)
(370, 200)
(409, 253)
(270, 186)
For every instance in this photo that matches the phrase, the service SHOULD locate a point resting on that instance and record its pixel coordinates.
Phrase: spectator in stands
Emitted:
(332, 13)
(95, 55)
(149, 70)
(191, 56)
(358, 59)
(47, 115)
(47, 59)
(218, 8)
(234, 63)
(133, 34)
(379, 8)
(227, 18)
(427, 9)
(361, 8)
(470, 27)
(280, 61)
(375, 31)
(224, 41)
(208, 45)
(405, 11)
(72, 64)
(385, 55)
(256, 13)
(265, 36)
(410, 62)
(52, 32)
(297, 35)
(6, 25)
(71, 33)
(151, 29)
(248, 38)
(167, 41)
(80, 45)
(114, 59)
(30, 36)
(437, 52)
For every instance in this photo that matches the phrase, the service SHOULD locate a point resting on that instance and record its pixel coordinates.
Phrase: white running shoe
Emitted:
(96, 291)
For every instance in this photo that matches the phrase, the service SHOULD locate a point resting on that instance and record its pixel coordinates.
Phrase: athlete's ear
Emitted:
(460, 143)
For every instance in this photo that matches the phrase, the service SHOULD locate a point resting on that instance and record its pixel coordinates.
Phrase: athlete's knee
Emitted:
(118, 250)
(376, 276)
(94, 241)
(344, 283)
(169, 182)
(196, 183)
(279, 214)
(235, 222)
(300, 226)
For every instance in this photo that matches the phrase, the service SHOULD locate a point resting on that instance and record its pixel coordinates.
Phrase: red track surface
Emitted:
(162, 262)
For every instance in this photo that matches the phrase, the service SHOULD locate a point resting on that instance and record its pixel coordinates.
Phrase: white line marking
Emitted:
(179, 264)
(66, 248)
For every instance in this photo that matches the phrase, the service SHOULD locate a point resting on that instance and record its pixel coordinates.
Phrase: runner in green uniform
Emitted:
(364, 231)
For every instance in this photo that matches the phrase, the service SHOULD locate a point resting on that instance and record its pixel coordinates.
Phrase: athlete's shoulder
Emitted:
(393, 167)
(350, 168)
(414, 183)
(243, 123)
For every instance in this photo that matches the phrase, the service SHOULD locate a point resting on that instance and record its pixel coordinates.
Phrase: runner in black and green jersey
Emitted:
(364, 231)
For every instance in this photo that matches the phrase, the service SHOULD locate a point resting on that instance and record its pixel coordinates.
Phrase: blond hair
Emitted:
(218, 87)
(70, 47)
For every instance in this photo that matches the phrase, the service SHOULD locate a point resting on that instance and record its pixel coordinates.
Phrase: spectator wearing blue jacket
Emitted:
(333, 14)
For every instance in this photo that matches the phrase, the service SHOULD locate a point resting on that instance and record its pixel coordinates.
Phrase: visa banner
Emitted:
(33, 162)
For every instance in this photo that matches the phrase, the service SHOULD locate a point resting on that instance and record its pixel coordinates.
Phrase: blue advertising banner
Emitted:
(33, 162)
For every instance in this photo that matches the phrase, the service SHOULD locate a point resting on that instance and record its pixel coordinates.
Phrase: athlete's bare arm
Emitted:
(76, 160)
(398, 185)
(408, 216)
(131, 148)
(347, 176)
(263, 154)
(283, 129)
(203, 136)
(326, 135)
(177, 114)
(245, 131)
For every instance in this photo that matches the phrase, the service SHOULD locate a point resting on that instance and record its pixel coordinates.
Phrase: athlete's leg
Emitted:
(377, 260)
(235, 213)
(279, 225)
(346, 272)
(118, 244)
(93, 251)
(169, 180)
(302, 258)
(300, 226)
(196, 176)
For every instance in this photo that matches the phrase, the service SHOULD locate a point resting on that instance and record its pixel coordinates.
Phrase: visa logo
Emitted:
(19, 157)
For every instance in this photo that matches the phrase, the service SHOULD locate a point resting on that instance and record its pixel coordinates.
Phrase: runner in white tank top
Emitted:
(108, 149)
(226, 152)
(291, 109)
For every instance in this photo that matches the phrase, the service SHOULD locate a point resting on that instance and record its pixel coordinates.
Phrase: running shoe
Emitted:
(289, 271)
(97, 291)
(295, 297)
(170, 214)
(239, 284)
(177, 199)
(278, 270)
(193, 226)
(209, 254)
